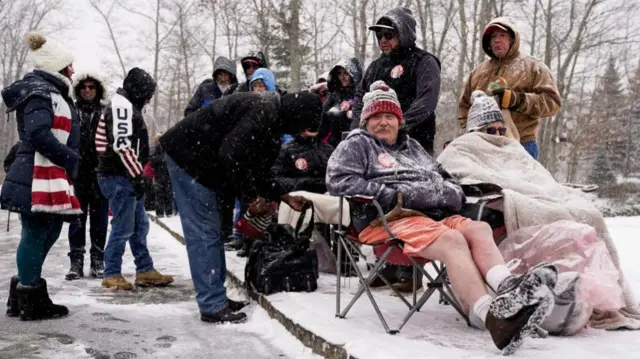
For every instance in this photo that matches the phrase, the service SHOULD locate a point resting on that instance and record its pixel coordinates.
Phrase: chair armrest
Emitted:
(360, 199)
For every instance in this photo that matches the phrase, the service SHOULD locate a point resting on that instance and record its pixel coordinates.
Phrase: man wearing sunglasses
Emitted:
(224, 76)
(412, 72)
(88, 91)
(528, 90)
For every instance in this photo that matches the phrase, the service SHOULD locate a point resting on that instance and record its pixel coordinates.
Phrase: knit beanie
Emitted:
(300, 111)
(380, 99)
(484, 110)
(45, 55)
(139, 85)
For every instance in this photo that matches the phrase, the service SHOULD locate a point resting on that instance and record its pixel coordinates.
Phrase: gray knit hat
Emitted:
(484, 110)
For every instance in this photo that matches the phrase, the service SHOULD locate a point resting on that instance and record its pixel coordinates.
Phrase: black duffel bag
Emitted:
(282, 260)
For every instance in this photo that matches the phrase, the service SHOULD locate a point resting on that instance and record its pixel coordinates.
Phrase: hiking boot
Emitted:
(153, 278)
(246, 248)
(507, 331)
(406, 285)
(117, 282)
(97, 268)
(35, 303)
(568, 315)
(76, 271)
(234, 243)
(13, 306)
(236, 306)
(225, 315)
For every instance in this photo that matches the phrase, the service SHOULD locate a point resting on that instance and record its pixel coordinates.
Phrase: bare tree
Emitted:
(106, 17)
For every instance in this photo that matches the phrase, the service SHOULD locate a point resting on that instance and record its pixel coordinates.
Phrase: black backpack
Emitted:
(282, 260)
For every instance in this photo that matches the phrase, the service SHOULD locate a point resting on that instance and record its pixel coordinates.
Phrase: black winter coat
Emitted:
(230, 145)
(415, 76)
(208, 90)
(159, 165)
(334, 117)
(87, 182)
(11, 156)
(302, 165)
(125, 150)
(33, 99)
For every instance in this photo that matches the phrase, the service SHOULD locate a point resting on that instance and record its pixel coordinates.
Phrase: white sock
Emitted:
(496, 275)
(479, 311)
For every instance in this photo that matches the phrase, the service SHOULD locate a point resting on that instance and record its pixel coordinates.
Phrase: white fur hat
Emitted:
(45, 55)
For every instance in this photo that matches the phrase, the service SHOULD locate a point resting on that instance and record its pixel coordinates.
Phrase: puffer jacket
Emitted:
(302, 165)
(523, 74)
(33, 98)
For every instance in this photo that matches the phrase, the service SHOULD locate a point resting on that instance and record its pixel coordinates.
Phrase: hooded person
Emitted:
(412, 72)
(89, 91)
(227, 150)
(264, 79)
(224, 76)
(38, 184)
(320, 87)
(122, 142)
(522, 85)
(336, 111)
(253, 61)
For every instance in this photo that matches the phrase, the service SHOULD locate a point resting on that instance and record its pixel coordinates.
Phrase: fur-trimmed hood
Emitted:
(79, 77)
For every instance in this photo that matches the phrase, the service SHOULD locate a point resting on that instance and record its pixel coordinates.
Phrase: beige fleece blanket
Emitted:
(531, 197)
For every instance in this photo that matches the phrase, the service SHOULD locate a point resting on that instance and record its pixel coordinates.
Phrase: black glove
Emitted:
(508, 99)
(140, 185)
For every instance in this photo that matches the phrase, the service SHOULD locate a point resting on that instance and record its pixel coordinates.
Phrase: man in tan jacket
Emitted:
(530, 92)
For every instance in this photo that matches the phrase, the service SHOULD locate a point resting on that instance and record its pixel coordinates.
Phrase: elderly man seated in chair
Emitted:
(382, 161)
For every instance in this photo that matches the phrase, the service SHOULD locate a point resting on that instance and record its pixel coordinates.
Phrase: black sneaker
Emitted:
(234, 244)
(225, 315)
(97, 268)
(76, 271)
(236, 306)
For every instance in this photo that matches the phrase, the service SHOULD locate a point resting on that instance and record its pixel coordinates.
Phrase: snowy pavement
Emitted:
(437, 331)
(151, 323)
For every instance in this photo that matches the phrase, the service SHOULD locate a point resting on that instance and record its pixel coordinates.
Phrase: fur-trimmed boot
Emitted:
(521, 306)
(568, 315)
(35, 303)
(13, 306)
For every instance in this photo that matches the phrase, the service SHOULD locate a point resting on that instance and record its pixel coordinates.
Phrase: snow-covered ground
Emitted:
(155, 323)
(437, 331)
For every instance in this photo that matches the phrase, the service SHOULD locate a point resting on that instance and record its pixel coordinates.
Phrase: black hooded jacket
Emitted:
(122, 139)
(413, 73)
(208, 90)
(230, 145)
(334, 117)
(302, 165)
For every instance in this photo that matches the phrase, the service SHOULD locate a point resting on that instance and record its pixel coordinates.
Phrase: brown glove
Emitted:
(397, 213)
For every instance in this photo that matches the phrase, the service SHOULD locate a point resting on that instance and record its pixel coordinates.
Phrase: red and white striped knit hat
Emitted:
(380, 99)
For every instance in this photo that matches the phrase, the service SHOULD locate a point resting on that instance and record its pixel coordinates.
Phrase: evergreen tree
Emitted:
(601, 172)
(632, 165)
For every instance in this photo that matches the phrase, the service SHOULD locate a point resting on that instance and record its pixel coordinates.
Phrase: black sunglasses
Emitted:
(90, 87)
(249, 65)
(492, 131)
(387, 34)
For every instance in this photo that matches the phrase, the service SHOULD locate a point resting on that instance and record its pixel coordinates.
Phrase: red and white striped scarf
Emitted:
(51, 189)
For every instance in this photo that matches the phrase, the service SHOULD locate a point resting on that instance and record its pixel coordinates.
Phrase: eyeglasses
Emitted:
(388, 35)
(250, 65)
(90, 87)
(493, 130)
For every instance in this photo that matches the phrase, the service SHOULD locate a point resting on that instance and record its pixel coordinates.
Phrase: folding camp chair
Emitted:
(388, 251)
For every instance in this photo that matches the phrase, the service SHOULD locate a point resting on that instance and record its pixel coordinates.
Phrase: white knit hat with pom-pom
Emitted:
(45, 55)
(484, 110)
(380, 99)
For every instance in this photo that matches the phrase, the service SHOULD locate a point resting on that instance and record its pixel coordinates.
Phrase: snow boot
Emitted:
(153, 278)
(97, 268)
(76, 271)
(568, 316)
(234, 243)
(35, 303)
(246, 247)
(13, 306)
(235, 305)
(521, 306)
(117, 282)
(225, 315)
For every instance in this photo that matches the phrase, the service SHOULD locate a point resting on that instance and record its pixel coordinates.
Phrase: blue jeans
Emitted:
(238, 212)
(129, 224)
(532, 148)
(39, 233)
(200, 218)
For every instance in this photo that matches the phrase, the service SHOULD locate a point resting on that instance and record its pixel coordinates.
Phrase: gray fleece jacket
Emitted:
(364, 165)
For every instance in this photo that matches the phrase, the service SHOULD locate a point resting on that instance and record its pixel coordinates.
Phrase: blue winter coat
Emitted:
(31, 99)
